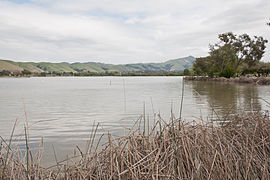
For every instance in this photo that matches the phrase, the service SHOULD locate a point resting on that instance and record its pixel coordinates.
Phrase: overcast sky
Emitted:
(123, 31)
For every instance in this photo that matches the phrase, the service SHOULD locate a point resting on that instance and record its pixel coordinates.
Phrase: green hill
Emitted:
(175, 65)
(28, 66)
(55, 67)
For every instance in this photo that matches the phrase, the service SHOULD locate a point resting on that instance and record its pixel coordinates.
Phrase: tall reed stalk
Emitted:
(27, 155)
(8, 149)
(182, 101)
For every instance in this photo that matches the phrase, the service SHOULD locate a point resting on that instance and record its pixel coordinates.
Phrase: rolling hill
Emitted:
(175, 65)
(9, 66)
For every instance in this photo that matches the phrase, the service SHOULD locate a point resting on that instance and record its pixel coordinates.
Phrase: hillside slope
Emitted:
(9, 66)
(175, 65)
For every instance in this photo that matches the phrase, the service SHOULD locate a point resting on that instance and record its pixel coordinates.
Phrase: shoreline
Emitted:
(246, 80)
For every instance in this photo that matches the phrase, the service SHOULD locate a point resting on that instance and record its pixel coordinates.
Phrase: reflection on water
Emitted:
(227, 98)
(63, 110)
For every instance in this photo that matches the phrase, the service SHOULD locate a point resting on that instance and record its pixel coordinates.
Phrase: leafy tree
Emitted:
(223, 61)
(201, 66)
(222, 57)
(260, 69)
(43, 74)
(245, 49)
(231, 52)
(186, 72)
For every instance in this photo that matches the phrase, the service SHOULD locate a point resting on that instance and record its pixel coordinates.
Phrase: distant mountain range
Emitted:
(175, 65)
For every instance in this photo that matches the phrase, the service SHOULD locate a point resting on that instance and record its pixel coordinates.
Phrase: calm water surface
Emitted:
(62, 110)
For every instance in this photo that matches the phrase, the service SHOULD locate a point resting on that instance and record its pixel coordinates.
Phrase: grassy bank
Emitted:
(253, 80)
(238, 148)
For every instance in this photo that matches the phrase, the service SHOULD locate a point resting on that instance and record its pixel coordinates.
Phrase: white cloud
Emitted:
(123, 31)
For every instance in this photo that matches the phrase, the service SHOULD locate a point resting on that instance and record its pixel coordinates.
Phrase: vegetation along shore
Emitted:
(233, 56)
(242, 79)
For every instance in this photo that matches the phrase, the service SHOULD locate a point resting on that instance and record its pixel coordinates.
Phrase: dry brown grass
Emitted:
(236, 149)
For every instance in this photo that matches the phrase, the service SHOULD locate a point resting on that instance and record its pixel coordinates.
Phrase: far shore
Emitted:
(242, 79)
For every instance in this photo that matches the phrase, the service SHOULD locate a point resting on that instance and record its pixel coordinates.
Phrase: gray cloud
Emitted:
(123, 31)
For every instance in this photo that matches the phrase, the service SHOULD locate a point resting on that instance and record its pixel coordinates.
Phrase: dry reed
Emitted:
(236, 149)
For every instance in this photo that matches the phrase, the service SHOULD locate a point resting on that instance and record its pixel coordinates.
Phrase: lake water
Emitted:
(62, 110)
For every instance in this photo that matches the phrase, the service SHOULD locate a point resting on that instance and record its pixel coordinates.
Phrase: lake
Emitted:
(63, 110)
